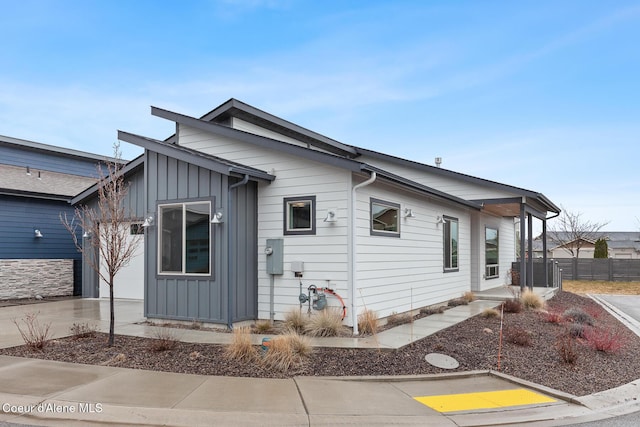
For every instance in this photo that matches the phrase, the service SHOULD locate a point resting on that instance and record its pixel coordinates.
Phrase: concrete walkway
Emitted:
(53, 393)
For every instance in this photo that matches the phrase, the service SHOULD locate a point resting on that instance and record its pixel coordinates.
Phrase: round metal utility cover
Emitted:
(441, 361)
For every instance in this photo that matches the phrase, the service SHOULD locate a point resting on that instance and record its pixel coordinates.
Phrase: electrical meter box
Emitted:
(275, 256)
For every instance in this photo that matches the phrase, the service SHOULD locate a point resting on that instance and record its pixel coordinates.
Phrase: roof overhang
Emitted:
(235, 108)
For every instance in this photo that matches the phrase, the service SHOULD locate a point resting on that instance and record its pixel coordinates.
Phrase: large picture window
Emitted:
(300, 215)
(451, 244)
(185, 238)
(491, 253)
(385, 218)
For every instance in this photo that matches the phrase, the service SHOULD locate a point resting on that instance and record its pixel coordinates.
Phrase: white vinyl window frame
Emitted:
(451, 246)
(189, 248)
(491, 253)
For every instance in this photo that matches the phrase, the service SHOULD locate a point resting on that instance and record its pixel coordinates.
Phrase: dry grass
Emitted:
(600, 287)
(531, 300)
(295, 321)
(490, 313)
(240, 348)
(263, 327)
(286, 351)
(368, 322)
(397, 319)
(469, 297)
(327, 323)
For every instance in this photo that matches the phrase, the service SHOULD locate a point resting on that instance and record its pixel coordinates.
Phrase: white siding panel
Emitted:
(459, 188)
(325, 254)
(399, 274)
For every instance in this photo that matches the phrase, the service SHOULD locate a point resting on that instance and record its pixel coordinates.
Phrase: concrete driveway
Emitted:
(625, 307)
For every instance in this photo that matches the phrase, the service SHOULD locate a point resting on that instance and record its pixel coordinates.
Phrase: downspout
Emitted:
(352, 242)
(231, 274)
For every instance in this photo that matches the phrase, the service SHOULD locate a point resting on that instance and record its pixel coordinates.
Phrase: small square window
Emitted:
(385, 218)
(300, 215)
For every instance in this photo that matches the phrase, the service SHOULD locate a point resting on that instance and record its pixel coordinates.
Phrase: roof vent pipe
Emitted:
(438, 161)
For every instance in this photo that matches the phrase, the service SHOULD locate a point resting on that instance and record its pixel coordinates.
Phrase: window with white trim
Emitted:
(491, 253)
(184, 238)
(385, 218)
(451, 244)
(300, 215)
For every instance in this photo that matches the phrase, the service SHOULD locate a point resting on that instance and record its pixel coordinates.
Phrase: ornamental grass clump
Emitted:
(368, 322)
(286, 352)
(295, 321)
(531, 301)
(241, 348)
(490, 313)
(327, 323)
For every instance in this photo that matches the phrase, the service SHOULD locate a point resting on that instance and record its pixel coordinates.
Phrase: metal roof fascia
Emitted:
(126, 170)
(464, 177)
(67, 152)
(261, 141)
(234, 103)
(19, 193)
(172, 151)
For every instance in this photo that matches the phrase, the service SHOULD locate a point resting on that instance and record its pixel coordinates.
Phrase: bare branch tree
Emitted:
(570, 231)
(109, 243)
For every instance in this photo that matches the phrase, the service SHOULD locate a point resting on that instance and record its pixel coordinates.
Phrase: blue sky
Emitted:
(543, 95)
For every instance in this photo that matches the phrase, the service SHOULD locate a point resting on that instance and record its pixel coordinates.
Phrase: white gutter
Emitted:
(353, 248)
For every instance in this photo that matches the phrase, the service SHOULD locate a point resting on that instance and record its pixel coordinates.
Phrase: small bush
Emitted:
(578, 315)
(566, 349)
(468, 297)
(512, 306)
(368, 322)
(163, 339)
(428, 311)
(458, 301)
(518, 336)
(490, 313)
(531, 300)
(34, 334)
(82, 330)
(295, 321)
(553, 317)
(240, 347)
(327, 323)
(594, 311)
(397, 319)
(263, 327)
(608, 341)
(576, 330)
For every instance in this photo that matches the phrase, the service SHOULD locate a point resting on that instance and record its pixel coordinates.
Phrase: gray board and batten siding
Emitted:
(202, 298)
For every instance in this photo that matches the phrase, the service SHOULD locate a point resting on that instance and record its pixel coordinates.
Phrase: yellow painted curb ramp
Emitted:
(483, 400)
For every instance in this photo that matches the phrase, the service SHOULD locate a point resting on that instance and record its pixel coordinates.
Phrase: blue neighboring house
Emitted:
(37, 182)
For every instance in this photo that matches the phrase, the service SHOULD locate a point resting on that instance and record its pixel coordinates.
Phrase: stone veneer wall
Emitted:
(26, 278)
